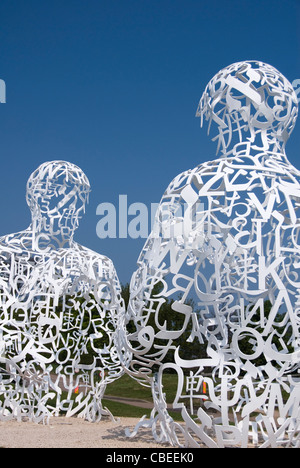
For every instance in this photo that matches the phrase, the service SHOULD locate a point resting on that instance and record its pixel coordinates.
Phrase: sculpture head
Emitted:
(249, 97)
(57, 192)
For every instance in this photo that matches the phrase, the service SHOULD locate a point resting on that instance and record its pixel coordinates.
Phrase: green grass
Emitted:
(127, 387)
(126, 411)
(122, 410)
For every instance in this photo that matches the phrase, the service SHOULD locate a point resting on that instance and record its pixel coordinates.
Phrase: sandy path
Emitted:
(74, 433)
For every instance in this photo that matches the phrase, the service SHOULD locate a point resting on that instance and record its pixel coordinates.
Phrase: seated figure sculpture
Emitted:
(225, 253)
(59, 307)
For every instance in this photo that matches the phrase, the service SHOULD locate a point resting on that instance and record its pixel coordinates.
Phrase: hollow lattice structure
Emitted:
(59, 307)
(224, 255)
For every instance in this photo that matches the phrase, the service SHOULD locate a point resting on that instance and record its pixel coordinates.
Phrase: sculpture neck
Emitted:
(260, 150)
(45, 237)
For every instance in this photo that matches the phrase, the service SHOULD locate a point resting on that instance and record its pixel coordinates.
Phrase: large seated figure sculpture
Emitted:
(59, 307)
(224, 253)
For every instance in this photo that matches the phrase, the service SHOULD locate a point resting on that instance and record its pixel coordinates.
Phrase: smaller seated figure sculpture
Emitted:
(224, 253)
(59, 307)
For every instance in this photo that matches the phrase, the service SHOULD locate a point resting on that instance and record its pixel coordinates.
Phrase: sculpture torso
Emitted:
(225, 247)
(60, 304)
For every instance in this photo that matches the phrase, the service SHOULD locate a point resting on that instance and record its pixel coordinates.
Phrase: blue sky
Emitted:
(113, 86)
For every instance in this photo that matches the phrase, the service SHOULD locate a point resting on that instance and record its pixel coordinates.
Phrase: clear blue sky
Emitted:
(113, 86)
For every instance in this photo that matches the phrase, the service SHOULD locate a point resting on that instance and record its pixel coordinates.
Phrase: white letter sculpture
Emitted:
(60, 304)
(225, 253)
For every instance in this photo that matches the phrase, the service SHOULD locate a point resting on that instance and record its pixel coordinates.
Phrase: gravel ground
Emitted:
(74, 433)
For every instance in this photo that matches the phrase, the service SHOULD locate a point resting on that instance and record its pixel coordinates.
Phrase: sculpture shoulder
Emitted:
(16, 242)
(195, 177)
(229, 175)
(103, 264)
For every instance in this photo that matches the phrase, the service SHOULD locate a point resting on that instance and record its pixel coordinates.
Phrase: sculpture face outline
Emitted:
(59, 306)
(57, 195)
(249, 98)
(233, 278)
